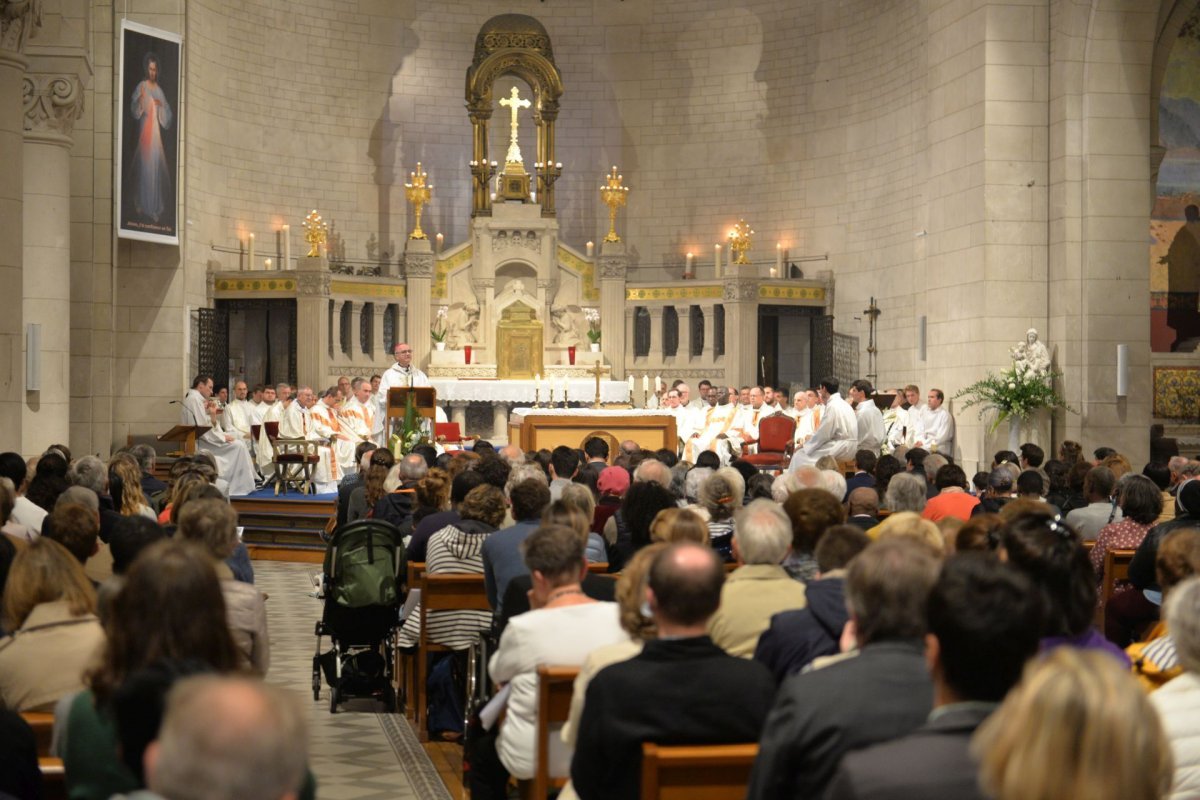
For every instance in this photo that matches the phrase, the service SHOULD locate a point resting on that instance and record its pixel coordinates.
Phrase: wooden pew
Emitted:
(1116, 568)
(405, 663)
(696, 772)
(54, 782)
(555, 687)
(443, 591)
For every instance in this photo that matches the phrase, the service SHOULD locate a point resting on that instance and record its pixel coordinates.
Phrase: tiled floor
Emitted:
(350, 753)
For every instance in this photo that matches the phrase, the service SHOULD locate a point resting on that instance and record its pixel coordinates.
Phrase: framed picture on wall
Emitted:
(147, 143)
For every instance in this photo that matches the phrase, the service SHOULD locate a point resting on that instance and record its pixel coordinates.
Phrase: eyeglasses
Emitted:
(403, 352)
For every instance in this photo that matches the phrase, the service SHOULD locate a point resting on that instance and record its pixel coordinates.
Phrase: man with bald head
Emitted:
(669, 692)
(298, 423)
(239, 415)
(399, 375)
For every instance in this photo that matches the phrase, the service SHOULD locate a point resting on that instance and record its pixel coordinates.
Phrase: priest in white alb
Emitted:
(239, 415)
(234, 466)
(357, 414)
(870, 418)
(327, 425)
(837, 433)
(895, 423)
(745, 424)
(297, 423)
(937, 435)
(399, 375)
(712, 429)
(272, 413)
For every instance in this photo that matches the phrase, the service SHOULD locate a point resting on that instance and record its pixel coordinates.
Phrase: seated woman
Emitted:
(51, 604)
(1051, 553)
(1157, 660)
(1097, 735)
(632, 521)
(563, 627)
(721, 495)
(579, 496)
(124, 472)
(458, 548)
(673, 525)
(1141, 503)
(1178, 703)
(212, 524)
(364, 498)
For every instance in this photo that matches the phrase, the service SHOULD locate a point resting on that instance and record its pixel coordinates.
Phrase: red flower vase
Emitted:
(571, 355)
(467, 353)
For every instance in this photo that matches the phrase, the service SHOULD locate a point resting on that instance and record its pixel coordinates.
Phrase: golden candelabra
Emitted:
(418, 194)
(614, 195)
(597, 370)
(740, 240)
(315, 231)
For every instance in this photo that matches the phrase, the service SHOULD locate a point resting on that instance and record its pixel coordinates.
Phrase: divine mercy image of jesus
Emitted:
(148, 142)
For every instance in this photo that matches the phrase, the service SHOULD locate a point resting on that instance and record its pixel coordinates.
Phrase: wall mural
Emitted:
(1175, 222)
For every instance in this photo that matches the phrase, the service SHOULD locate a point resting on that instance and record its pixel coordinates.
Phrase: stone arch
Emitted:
(513, 44)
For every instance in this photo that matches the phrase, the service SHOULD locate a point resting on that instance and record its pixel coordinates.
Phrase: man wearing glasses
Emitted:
(399, 375)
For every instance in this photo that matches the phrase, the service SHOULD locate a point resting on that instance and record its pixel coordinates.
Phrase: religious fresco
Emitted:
(1175, 221)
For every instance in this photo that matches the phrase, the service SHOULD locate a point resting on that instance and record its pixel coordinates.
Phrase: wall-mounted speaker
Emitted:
(921, 339)
(33, 357)
(1122, 370)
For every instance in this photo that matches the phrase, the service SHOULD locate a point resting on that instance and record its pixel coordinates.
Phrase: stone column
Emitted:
(418, 267)
(656, 335)
(741, 331)
(17, 19)
(611, 269)
(355, 354)
(499, 422)
(458, 414)
(314, 333)
(684, 354)
(52, 105)
(708, 356)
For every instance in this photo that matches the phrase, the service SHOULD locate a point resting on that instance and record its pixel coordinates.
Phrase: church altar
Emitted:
(457, 393)
(537, 428)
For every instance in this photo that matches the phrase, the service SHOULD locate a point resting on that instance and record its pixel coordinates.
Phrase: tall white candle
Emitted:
(631, 388)
(267, 265)
(779, 256)
(658, 384)
(250, 253)
(440, 241)
(688, 263)
(645, 384)
(717, 260)
(287, 247)
(591, 249)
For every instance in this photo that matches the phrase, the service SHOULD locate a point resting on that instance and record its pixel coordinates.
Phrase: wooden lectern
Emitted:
(424, 398)
(186, 434)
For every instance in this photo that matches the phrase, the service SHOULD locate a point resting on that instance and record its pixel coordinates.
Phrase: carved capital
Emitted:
(481, 285)
(52, 103)
(418, 265)
(312, 284)
(741, 289)
(18, 20)
(612, 268)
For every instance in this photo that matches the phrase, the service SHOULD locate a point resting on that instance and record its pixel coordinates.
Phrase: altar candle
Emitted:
(646, 384)
(267, 265)
(250, 253)
(537, 382)
(779, 256)
(658, 384)
(630, 387)
(717, 260)
(591, 249)
(688, 263)
(287, 247)
(440, 241)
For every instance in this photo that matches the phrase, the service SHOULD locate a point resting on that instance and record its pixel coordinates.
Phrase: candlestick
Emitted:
(591, 249)
(717, 260)
(565, 398)
(250, 253)
(287, 247)
(779, 256)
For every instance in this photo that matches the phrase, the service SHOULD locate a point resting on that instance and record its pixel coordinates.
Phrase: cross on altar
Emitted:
(597, 370)
(514, 103)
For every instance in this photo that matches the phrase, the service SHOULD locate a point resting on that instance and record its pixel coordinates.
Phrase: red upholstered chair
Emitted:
(775, 435)
(272, 430)
(448, 435)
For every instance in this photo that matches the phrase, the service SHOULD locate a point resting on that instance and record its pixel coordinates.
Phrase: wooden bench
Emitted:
(555, 687)
(442, 591)
(406, 663)
(696, 772)
(1116, 568)
(54, 779)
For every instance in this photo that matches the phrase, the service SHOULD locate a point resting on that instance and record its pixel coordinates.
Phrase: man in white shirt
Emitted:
(870, 418)
(701, 400)
(773, 400)
(233, 459)
(399, 375)
(916, 415)
(808, 417)
(24, 512)
(266, 400)
(239, 415)
(265, 455)
(937, 435)
(837, 432)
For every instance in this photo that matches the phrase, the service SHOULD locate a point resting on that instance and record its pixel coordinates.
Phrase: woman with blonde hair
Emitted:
(564, 512)
(50, 606)
(1076, 726)
(131, 499)
(580, 497)
(721, 495)
(911, 525)
(673, 525)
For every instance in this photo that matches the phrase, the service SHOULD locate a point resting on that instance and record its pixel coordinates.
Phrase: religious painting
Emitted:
(147, 142)
(1175, 221)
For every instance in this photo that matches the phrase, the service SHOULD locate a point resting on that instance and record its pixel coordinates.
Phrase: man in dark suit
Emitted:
(863, 508)
(983, 627)
(880, 694)
(681, 689)
(864, 471)
(596, 450)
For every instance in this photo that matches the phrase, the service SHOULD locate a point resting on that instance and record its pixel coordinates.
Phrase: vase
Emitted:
(594, 347)
(466, 354)
(440, 345)
(571, 355)
(1014, 434)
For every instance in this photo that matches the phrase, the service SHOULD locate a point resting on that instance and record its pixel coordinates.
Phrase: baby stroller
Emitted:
(364, 565)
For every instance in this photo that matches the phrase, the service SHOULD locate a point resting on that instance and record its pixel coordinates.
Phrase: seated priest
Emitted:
(357, 415)
(712, 429)
(265, 454)
(239, 415)
(297, 423)
(837, 433)
(327, 422)
(745, 425)
(233, 459)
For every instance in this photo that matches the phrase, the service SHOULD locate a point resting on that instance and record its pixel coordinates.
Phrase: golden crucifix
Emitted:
(597, 370)
(514, 103)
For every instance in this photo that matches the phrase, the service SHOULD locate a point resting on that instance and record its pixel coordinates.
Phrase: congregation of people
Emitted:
(878, 623)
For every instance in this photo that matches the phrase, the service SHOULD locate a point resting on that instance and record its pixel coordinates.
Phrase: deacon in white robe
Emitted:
(233, 459)
(916, 416)
(745, 425)
(870, 418)
(265, 454)
(895, 420)
(713, 430)
(937, 435)
(836, 434)
(357, 414)
(807, 409)
(326, 423)
(297, 423)
(239, 415)
(398, 375)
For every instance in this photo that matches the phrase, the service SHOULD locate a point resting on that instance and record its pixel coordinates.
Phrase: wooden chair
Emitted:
(696, 772)
(295, 462)
(450, 437)
(847, 467)
(598, 567)
(1116, 568)
(444, 591)
(405, 663)
(776, 440)
(555, 687)
(54, 779)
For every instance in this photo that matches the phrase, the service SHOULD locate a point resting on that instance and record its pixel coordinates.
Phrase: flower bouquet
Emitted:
(593, 332)
(1015, 392)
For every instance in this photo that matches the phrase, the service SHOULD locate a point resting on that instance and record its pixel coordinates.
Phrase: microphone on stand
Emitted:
(191, 413)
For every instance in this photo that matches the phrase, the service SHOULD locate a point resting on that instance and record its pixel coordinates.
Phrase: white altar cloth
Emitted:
(590, 412)
(450, 390)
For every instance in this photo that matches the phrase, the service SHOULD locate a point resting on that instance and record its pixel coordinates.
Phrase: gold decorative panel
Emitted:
(1177, 392)
(586, 270)
(256, 285)
(444, 267)
(675, 293)
(776, 291)
(390, 290)
(519, 343)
